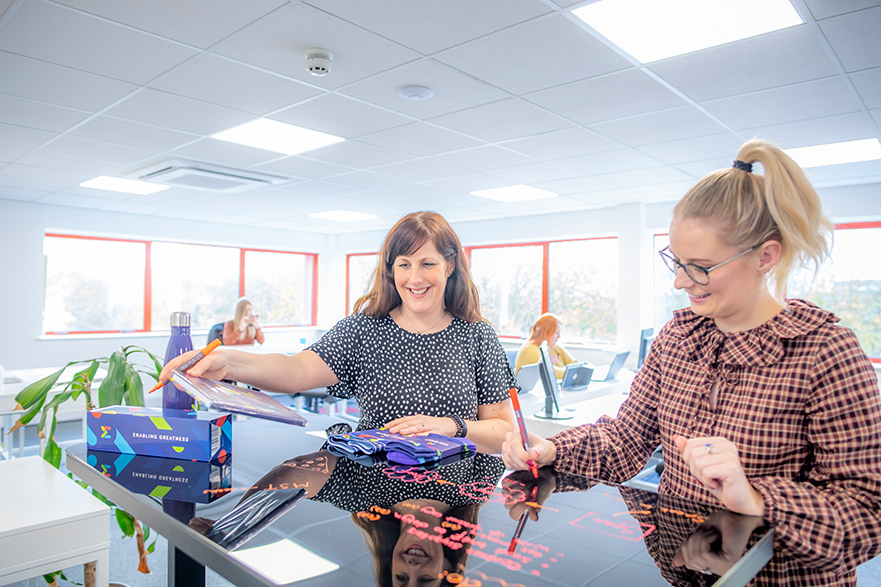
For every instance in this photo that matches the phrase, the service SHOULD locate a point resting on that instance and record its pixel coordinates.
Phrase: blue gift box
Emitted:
(176, 434)
(190, 481)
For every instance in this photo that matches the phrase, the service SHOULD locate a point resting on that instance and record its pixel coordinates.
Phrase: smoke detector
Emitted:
(318, 61)
(415, 93)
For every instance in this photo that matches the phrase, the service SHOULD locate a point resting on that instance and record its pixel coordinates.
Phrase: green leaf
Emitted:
(112, 389)
(52, 454)
(151, 547)
(126, 523)
(38, 389)
(28, 416)
(82, 381)
(134, 387)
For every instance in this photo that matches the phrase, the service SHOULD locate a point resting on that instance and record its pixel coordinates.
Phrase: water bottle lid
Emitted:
(180, 318)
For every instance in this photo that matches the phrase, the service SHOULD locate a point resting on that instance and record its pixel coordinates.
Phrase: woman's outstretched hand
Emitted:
(420, 425)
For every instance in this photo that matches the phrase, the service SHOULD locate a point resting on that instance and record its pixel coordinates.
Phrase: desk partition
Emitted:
(357, 524)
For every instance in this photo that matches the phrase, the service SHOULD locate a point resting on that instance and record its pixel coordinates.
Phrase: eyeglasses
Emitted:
(696, 273)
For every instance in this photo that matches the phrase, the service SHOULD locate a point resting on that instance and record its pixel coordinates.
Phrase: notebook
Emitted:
(609, 372)
(232, 398)
(576, 377)
(527, 377)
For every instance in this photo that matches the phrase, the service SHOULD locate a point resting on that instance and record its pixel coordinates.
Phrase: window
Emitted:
(510, 282)
(583, 288)
(113, 285)
(279, 286)
(94, 285)
(666, 297)
(849, 283)
(359, 270)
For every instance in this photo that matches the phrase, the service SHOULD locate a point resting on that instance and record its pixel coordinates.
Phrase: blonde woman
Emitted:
(763, 405)
(245, 327)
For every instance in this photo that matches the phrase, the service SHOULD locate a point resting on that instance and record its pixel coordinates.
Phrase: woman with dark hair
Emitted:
(416, 354)
(762, 404)
(546, 329)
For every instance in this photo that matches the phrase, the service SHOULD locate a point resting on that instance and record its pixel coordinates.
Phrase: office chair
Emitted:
(215, 332)
(646, 336)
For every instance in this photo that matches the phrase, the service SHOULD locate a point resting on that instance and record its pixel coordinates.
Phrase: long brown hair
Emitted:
(405, 238)
(751, 209)
(544, 328)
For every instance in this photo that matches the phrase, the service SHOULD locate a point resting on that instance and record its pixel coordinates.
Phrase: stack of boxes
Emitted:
(176, 454)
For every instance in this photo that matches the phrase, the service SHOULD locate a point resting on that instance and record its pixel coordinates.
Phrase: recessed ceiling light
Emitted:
(342, 216)
(118, 184)
(650, 30)
(836, 153)
(514, 193)
(280, 137)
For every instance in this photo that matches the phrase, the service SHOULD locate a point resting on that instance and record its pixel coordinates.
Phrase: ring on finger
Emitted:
(706, 571)
(709, 448)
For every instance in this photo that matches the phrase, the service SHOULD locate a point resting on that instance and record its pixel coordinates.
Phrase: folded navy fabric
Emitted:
(400, 449)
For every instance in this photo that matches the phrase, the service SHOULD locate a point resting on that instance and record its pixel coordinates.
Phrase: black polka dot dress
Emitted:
(393, 373)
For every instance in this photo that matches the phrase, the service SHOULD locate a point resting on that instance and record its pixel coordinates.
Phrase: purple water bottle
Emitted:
(178, 344)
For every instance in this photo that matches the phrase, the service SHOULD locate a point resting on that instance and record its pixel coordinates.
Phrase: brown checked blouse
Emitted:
(800, 401)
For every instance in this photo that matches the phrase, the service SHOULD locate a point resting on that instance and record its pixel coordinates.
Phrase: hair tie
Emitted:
(738, 164)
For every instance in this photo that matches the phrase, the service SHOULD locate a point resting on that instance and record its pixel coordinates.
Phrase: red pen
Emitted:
(523, 517)
(523, 434)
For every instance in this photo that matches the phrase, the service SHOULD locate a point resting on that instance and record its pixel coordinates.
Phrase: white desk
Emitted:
(17, 379)
(49, 523)
(600, 398)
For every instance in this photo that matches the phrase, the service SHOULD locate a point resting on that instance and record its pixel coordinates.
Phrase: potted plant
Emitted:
(121, 385)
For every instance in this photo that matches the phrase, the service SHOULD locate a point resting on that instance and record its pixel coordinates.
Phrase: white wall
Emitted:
(22, 226)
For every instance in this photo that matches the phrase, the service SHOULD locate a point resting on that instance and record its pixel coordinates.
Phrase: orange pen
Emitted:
(523, 434)
(189, 364)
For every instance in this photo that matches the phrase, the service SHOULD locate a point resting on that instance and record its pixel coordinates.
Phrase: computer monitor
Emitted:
(552, 409)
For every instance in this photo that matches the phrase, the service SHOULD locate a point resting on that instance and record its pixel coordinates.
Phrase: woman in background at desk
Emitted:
(762, 404)
(546, 328)
(245, 327)
(416, 353)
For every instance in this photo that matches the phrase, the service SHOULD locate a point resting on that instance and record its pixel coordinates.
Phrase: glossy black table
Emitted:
(393, 525)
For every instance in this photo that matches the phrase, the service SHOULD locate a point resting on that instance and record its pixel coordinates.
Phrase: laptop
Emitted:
(527, 377)
(609, 372)
(576, 377)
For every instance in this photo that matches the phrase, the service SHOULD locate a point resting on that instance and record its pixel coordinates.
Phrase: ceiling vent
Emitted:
(209, 178)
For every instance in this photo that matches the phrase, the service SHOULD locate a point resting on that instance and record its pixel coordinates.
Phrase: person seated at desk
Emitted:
(416, 353)
(546, 328)
(760, 403)
(245, 327)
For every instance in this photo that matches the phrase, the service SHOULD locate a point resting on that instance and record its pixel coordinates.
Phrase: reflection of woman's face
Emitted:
(415, 562)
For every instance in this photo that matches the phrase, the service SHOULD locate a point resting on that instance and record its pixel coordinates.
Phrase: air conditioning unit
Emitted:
(210, 178)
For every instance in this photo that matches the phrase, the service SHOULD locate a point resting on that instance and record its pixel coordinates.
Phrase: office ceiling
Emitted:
(523, 94)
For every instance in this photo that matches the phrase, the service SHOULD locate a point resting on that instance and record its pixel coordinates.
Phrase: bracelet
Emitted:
(461, 426)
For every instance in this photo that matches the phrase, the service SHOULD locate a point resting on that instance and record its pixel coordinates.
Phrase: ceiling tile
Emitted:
(356, 154)
(861, 172)
(428, 27)
(39, 115)
(556, 46)
(340, 116)
(825, 8)
(208, 79)
(126, 132)
(608, 161)
(484, 158)
(196, 22)
(695, 149)
(420, 139)
(20, 136)
(607, 97)
(855, 38)
(80, 41)
(420, 170)
(675, 123)
(453, 90)
(530, 173)
(831, 129)
(176, 112)
(563, 143)
(280, 44)
(745, 66)
(500, 121)
(81, 148)
(302, 167)
(868, 84)
(647, 177)
(53, 84)
(813, 99)
(8, 153)
(82, 168)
